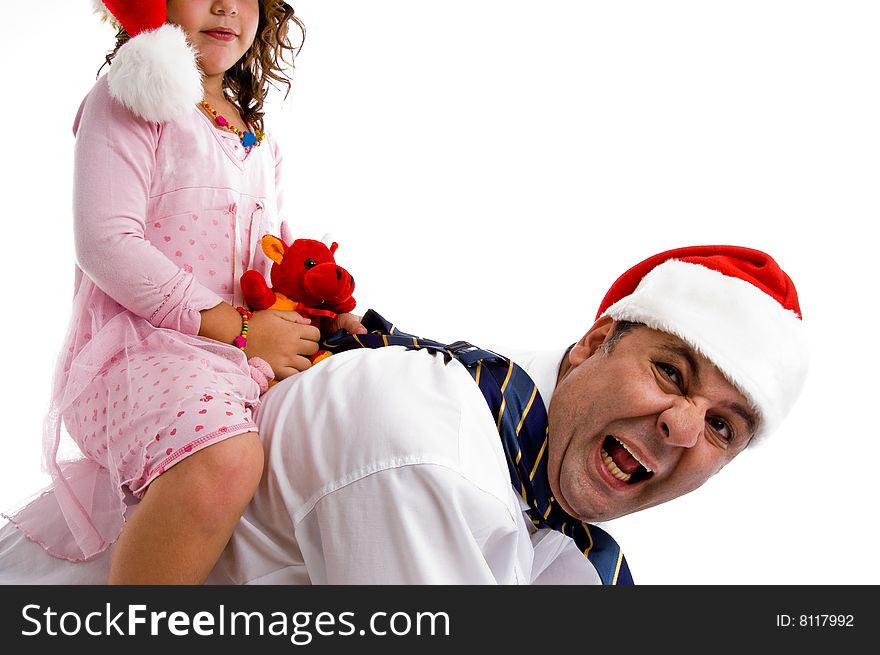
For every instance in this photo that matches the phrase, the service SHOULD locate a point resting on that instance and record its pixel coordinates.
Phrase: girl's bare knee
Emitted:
(219, 481)
(235, 467)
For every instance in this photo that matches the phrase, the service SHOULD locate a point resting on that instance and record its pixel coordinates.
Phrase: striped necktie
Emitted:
(521, 420)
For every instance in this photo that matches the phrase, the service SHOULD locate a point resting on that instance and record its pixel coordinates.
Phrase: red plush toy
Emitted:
(305, 278)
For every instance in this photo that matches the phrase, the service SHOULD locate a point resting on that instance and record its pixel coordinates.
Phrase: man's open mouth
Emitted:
(622, 463)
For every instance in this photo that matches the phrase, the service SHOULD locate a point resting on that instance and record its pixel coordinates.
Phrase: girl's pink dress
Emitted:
(167, 218)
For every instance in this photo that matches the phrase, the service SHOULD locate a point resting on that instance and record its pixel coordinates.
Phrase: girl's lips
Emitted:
(220, 36)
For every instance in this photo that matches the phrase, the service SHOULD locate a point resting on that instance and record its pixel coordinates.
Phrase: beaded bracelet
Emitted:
(241, 340)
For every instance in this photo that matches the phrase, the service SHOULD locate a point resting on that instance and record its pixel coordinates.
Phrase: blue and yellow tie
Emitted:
(521, 420)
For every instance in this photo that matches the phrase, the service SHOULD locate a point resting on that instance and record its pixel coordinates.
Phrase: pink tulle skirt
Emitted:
(129, 401)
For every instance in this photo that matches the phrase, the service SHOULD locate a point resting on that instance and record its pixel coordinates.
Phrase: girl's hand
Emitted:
(349, 322)
(284, 339)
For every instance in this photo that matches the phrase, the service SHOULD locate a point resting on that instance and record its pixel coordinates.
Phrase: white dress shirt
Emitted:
(386, 468)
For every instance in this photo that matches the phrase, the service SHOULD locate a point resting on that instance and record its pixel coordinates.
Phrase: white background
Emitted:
(490, 166)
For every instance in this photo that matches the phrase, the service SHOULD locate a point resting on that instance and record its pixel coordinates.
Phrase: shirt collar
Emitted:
(542, 366)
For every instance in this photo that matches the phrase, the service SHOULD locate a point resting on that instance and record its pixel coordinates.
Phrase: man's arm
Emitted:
(416, 524)
(384, 466)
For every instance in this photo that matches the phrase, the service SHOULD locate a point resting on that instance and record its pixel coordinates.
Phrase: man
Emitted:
(426, 463)
(695, 353)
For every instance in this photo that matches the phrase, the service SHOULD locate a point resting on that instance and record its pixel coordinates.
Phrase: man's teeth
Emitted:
(616, 472)
(635, 457)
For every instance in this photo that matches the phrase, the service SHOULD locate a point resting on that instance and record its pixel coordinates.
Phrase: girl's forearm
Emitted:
(221, 323)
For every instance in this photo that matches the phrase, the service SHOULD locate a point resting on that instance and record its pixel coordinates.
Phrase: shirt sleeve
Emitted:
(417, 524)
(558, 561)
(402, 481)
(114, 160)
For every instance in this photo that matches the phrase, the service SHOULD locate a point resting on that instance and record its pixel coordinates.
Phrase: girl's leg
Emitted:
(188, 514)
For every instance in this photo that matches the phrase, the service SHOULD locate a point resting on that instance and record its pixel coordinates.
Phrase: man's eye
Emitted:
(722, 428)
(670, 372)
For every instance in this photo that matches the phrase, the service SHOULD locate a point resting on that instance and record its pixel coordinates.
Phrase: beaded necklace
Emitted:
(247, 139)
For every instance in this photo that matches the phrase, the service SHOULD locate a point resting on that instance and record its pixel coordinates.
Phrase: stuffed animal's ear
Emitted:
(333, 247)
(274, 248)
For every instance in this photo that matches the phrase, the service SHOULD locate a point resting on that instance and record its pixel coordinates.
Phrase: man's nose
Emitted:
(682, 424)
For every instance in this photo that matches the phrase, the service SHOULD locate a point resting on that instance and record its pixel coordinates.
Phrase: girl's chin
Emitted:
(212, 64)
(212, 70)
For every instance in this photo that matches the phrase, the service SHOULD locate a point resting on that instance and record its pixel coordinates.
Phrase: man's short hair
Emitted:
(620, 329)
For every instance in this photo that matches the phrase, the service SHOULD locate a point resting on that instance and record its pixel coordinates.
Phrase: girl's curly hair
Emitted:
(262, 65)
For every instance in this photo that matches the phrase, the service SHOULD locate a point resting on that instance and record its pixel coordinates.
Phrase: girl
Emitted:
(175, 183)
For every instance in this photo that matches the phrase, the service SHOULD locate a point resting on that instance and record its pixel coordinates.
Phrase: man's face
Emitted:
(648, 422)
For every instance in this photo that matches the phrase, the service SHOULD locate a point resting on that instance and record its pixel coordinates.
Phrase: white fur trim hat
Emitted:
(155, 73)
(735, 306)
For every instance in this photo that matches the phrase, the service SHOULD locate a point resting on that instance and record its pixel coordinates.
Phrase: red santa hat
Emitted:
(155, 73)
(735, 306)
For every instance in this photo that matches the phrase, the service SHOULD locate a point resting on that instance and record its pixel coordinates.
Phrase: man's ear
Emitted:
(588, 344)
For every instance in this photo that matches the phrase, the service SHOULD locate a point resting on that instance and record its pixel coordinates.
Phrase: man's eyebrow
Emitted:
(746, 414)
